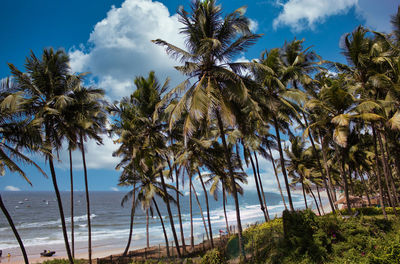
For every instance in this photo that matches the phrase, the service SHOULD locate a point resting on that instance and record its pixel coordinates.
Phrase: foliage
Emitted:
(213, 256)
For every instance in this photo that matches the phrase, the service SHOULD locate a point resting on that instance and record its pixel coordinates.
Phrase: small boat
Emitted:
(26, 199)
(47, 253)
(21, 202)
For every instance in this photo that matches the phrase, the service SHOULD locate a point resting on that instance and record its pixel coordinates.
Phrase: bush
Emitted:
(213, 256)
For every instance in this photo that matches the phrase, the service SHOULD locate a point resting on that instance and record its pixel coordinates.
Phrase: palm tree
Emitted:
(87, 122)
(212, 41)
(271, 97)
(141, 132)
(17, 133)
(46, 83)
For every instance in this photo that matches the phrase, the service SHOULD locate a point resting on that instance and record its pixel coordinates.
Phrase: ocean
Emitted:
(37, 219)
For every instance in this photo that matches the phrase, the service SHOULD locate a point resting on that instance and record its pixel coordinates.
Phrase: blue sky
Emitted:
(111, 39)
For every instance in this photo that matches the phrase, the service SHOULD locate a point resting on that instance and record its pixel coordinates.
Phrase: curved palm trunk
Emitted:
(201, 212)
(191, 213)
(131, 222)
(258, 188)
(234, 189)
(72, 204)
(285, 177)
(87, 201)
(208, 207)
(276, 176)
(171, 219)
(11, 223)
(60, 208)
(320, 201)
(261, 186)
(315, 200)
(163, 227)
(147, 229)
(224, 205)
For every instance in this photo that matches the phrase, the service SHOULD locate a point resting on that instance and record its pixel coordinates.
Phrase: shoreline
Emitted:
(105, 248)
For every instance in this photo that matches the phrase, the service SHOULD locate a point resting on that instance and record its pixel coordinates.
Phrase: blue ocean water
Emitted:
(37, 218)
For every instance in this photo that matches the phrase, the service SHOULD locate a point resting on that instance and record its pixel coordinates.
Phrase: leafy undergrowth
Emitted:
(302, 237)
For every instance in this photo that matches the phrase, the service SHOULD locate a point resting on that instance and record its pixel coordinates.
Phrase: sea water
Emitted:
(37, 219)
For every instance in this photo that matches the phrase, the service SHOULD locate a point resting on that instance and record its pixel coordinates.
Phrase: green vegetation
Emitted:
(223, 117)
(302, 237)
(64, 261)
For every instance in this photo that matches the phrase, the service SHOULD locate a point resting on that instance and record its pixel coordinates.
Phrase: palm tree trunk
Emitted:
(201, 211)
(304, 193)
(378, 174)
(11, 223)
(170, 214)
(208, 207)
(178, 205)
(365, 186)
(234, 189)
(386, 172)
(163, 227)
(191, 214)
(285, 177)
(387, 158)
(60, 208)
(320, 201)
(345, 184)
(261, 185)
(72, 203)
(315, 200)
(223, 204)
(330, 181)
(131, 222)
(147, 228)
(392, 184)
(258, 188)
(276, 176)
(87, 201)
(319, 165)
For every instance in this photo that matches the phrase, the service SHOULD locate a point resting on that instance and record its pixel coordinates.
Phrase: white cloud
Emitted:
(12, 188)
(120, 48)
(115, 189)
(97, 156)
(377, 13)
(305, 14)
(301, 14)
(253, 25)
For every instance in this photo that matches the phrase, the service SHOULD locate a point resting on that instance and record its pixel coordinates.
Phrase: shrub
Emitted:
(213, 256)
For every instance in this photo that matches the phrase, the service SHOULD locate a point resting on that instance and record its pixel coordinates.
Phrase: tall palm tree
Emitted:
(88, 121)
(271, 97)
(212, 41)
(17, 132)
(141, 129)
(45, 81)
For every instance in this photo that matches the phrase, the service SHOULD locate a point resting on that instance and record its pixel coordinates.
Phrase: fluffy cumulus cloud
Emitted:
(12, 188)
(97, 156)
(305, 14)
(120, 48)
(301, 14)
